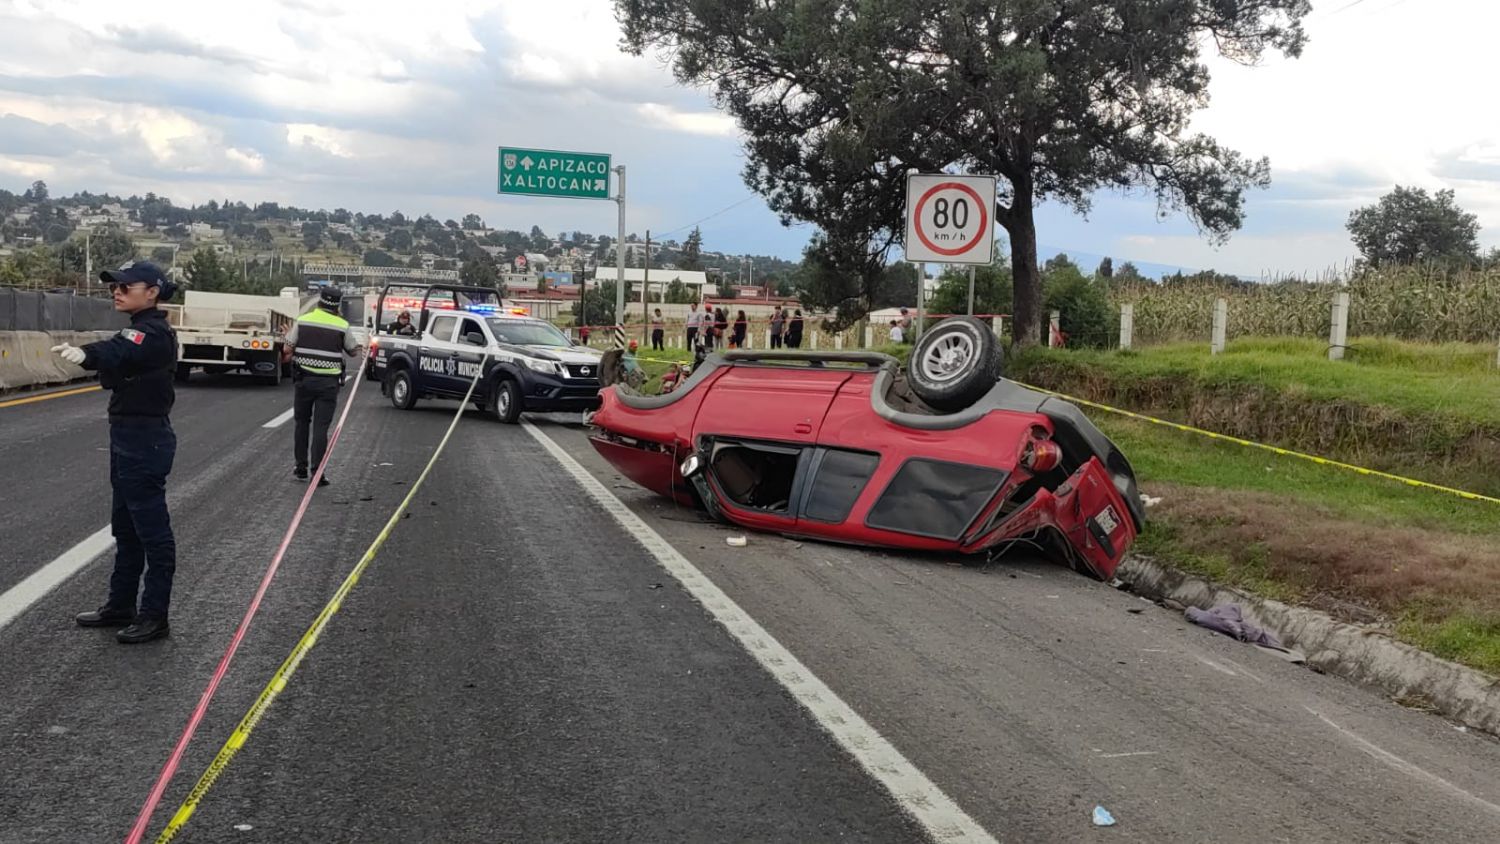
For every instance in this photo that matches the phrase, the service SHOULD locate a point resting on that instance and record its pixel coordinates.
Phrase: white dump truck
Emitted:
(226, 332)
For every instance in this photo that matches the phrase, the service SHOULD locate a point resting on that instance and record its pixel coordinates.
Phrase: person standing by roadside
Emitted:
(658, 332)
(898, 334)
(778, 322)
(721, 327)
(741, 326)
(694, 321)
(137, 366)
(794, 331)
(315, 347)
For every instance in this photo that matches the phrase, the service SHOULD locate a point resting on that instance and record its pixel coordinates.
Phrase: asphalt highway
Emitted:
(517, 665)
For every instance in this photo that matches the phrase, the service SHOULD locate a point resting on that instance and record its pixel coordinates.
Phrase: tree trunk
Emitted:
(1026, 317)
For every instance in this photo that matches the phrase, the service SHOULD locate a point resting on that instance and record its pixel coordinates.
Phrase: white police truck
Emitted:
(457, 333)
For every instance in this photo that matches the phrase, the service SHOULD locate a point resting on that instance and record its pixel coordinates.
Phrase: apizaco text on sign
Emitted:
(950, 219)
(543, 172)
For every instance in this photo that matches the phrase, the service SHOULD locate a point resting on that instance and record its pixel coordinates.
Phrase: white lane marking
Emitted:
(1217, 667)
(20, 597)
(280, 420)
(912, 790)
(1405, 767)
(1134, 753)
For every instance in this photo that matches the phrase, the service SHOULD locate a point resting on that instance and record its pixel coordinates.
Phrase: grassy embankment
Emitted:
(1422, 562)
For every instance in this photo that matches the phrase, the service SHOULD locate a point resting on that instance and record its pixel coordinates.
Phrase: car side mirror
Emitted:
(474, 338)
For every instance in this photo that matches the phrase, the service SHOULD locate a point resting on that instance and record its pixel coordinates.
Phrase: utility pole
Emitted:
(620, 267)
(646, 293)
(88, 257)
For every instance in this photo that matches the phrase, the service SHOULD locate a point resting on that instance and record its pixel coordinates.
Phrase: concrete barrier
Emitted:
(13, 372)
(27, 359)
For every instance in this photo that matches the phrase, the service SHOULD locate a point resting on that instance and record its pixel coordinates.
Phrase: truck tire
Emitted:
(507, 401)
(954, 364)
(183, 373)
(403, 392)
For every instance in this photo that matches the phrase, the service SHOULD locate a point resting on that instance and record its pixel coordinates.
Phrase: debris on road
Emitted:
(736, 541)
(1102, 817)
(1229, 619)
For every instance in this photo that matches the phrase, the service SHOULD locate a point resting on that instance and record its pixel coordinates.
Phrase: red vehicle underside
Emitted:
(831, 447)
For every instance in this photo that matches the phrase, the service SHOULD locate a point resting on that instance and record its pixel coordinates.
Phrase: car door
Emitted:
(760, 423)
(439, 363)
(469, 351)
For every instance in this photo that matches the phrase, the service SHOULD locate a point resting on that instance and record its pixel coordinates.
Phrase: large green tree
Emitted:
(692, 251)
(480, 271)
(1408, 226)
(206, 272)
(1060, 98)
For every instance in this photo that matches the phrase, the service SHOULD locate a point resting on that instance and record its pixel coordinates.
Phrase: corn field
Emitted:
(1408, 303)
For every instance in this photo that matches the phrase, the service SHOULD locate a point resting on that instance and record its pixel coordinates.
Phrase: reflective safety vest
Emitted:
(320, 343)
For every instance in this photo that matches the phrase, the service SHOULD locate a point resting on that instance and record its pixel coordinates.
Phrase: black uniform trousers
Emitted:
(141, 451)
(312, 409)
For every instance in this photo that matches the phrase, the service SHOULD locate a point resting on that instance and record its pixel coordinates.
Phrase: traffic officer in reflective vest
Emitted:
(136, 366)
(316, 347)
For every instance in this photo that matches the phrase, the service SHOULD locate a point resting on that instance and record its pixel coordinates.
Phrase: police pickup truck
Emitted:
(456, 333)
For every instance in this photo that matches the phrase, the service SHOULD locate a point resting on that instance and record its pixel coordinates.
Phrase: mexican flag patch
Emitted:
(133, 336)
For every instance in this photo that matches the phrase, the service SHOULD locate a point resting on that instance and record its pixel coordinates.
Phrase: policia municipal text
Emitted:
(136, 366)
(316, 347)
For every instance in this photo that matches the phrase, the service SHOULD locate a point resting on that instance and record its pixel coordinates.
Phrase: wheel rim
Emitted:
(502, 402)
(947, 358)
(400, 390)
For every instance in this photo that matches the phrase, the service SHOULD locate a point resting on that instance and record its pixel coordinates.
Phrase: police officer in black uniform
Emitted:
(137, 365)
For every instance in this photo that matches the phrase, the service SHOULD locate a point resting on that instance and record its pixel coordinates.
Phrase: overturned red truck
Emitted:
(847, 447)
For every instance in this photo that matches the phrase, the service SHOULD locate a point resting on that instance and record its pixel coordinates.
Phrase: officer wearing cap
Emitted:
(316, 347)
(136, 366)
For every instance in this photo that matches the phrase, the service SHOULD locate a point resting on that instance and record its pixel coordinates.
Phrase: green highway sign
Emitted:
(548, 172)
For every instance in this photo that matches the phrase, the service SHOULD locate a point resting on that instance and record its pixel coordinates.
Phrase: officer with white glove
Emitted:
(70, 353)
(137, 366)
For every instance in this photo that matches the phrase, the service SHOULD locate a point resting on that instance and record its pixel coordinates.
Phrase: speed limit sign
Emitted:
(950, 219)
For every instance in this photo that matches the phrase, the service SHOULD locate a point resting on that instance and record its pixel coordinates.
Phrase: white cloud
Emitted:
(694, 122)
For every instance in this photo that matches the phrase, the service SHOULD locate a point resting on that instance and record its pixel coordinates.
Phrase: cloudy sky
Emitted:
(377, 106)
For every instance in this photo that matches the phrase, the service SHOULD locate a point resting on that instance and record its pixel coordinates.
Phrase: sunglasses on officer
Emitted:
(124, 286)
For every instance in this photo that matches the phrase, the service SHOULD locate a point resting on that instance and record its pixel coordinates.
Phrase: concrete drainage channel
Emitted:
(1363, 655)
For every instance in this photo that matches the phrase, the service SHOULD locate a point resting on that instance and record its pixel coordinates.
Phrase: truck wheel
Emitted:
(507, 403)
(954, 363)
(184, 371)
(403, 394)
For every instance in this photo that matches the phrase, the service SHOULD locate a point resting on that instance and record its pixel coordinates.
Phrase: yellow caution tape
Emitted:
(288, 667)
(1321, 461)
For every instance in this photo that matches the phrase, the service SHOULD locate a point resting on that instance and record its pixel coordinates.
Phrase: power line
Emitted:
(709, 217)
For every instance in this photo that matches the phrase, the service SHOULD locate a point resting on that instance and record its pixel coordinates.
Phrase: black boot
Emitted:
(145, 628)
(105, 616)
(323, 481)
(300, 473)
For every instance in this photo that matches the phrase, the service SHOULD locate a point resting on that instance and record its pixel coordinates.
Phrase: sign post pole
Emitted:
(620, 267)
(921, 291)
(971, 290)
